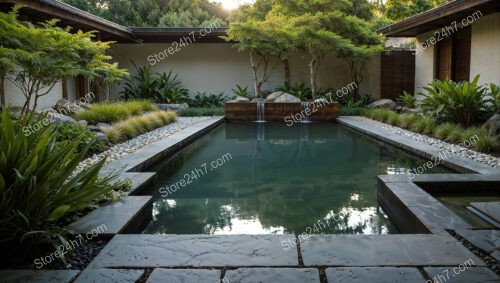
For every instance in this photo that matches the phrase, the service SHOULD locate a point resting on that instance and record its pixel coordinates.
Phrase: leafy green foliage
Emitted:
(199, 112)
(465, 103)
(299, 90)
(351, 111)
(408, 99)
(39, 186)
(109, 112)
(162, 88)
(155, 13)
(241, 91)
(35, 57)
(77, 132)
(205, 100)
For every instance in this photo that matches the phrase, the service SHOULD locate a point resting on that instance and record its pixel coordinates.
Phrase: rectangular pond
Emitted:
(267, 178)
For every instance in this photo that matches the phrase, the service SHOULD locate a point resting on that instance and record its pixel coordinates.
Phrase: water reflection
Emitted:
(281, 180)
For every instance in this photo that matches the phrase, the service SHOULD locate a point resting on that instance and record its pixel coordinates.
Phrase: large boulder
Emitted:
(273, 96)
(257, 99)
(66, 107)
(287, 98)
(173, 107)
(239, 99)
(493, 125)
(383, 103)
(60, 119)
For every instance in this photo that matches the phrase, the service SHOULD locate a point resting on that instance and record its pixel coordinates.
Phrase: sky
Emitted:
(233, 4)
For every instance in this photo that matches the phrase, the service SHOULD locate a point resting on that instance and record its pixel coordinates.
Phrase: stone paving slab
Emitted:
(115, 216)
(109, 276)
(272, 275)
(460, 274)
(373, 275)
(161, 275)
(490, 209)
(37, 276)
(487, 240)
(195, 250)
(384, 250)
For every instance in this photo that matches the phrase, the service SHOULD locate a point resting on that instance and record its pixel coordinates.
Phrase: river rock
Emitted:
(173, 107)
(239, 99)
(287, 98)
(493, 125)
(60, 119)
(273, 96)
(383, 103)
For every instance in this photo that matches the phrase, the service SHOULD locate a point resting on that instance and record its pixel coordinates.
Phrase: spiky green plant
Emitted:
(39, 186)
(406, 120)
(442, 131)
(113, 134)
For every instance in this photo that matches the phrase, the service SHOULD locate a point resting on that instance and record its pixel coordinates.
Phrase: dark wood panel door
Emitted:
(444, 59)
(461, 55)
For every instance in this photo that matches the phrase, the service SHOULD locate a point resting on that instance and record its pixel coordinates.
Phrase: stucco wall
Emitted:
(485, 53)
(14, 96)
(485, 49)
(216, 68)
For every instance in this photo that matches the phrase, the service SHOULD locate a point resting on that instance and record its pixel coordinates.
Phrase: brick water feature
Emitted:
(274, 111)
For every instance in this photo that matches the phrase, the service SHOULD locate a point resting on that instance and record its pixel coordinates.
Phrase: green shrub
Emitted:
(486, 143)
(113, 134)
(110, 112)
(464, 103)
(406, 120)
(205, 100)
(393, 119)
(473, 133)
(39, 187)
(351, 111)
(162, 88)
(455, 135)
(198, 112)
(429, 125)
(78, 132)
(408, 99)
(130, 128)
(381, 114)
(442, 131)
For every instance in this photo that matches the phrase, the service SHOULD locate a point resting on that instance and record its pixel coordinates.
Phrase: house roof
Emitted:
(440, 17)
(42, 10)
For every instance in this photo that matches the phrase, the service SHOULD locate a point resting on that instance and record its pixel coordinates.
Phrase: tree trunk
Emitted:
(2, 92)
(254, 73)
(312, 73)
(288, 79)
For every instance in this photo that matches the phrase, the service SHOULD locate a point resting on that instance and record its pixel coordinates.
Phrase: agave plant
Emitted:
(39, 186)
(465, 103)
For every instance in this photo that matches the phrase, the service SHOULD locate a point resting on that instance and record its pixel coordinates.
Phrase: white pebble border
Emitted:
(117, 151)
(459, 150)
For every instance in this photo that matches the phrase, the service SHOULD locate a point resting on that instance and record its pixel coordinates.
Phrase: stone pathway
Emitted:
(462, 151)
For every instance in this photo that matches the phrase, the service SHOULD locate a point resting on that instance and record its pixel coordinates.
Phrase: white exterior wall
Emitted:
(14, 97)
(485, 49)
(218, 67)
(485, 53)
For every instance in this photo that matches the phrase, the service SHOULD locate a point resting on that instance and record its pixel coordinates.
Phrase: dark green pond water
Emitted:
(272, 179)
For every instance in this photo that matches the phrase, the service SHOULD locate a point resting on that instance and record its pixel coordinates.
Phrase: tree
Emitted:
(255, 38)
(398, 10)
(35, 58)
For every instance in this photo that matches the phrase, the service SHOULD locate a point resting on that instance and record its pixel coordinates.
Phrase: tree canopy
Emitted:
(155, 13)
(35, 57)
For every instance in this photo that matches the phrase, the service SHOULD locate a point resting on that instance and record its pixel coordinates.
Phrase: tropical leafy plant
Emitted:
(203, 99)
(162, 88)
(86, 138)
(408, 99)
(465, 103)
(241, 91)
(40, 187)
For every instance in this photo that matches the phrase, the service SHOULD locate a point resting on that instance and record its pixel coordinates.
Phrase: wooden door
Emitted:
(461, 55)
(444, 59)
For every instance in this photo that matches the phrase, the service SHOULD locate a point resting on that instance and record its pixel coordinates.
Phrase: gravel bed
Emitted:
(117, 151)
(453, 148)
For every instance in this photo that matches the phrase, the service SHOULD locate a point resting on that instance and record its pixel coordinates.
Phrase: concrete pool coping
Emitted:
(317, 253)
